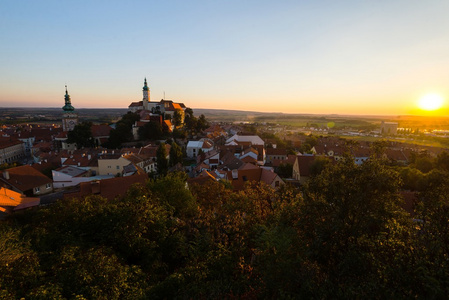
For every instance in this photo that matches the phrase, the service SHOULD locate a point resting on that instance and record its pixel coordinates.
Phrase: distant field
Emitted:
(339, 121)
(423, 141)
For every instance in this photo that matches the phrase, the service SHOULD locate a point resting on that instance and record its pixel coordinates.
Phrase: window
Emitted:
(276, 183)
(37, 189)
(47, 186)
(118, 167)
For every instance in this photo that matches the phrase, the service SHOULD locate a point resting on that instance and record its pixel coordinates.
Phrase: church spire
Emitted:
(68, 105)
(145, 85)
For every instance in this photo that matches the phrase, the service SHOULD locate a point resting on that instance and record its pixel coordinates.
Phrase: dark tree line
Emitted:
(345, 235)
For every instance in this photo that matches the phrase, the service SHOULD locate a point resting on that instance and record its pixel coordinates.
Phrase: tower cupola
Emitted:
(68, 105)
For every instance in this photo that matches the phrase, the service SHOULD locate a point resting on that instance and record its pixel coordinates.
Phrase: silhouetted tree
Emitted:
(161, 159)
(81, 135)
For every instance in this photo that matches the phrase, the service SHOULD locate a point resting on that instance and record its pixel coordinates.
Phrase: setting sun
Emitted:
(431, 102)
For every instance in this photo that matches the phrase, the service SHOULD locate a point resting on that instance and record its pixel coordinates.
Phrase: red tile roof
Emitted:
(100, 130)
(109, 188)
(25, 178)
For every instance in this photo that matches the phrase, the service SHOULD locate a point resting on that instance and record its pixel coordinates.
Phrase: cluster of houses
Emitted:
(56, 170)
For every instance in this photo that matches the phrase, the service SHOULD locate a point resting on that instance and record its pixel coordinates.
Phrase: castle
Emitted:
(163, 107)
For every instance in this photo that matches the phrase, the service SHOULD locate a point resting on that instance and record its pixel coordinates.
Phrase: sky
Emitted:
(375, 57)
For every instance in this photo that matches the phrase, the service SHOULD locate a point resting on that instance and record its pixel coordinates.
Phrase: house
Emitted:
(27, 180)
(112, 164)
(238, 178)
(100, 133)
(85, 159)
(203, 178)
(361, 155)
(251, 139)
(12, 201)
(11, 150)
(211, 158)
(193, 147)
(274, 153)
(108, 188)
(250, 155)
(301, 167)
(215, 131)
(68, 176)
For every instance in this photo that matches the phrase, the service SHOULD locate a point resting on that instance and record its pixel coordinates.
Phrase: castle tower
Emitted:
(69, 117)
(146, 95)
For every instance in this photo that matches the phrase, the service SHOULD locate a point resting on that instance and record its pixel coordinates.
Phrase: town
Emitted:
(158, 201)
(152, 138)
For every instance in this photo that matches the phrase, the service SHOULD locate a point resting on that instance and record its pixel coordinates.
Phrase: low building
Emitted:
(27, 180)
(275, 154)
(111, 164)
(301, 167)
(11, 151)
(238, 178)
(11, 201)
(388, 128)
(108, 188)
(193, 147)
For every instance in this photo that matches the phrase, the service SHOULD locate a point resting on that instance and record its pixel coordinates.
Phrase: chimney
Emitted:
(235, 174)
(6, 174)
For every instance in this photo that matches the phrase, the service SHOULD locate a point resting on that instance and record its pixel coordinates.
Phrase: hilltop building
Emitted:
(162, 112)
(163, 107)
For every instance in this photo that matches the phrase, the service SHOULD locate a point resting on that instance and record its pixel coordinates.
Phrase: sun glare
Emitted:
(431, 102)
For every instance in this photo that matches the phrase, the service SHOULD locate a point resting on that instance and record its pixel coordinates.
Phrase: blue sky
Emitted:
(354, 57)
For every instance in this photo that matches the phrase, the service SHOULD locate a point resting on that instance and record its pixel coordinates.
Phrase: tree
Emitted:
(319, 164)
(151, 131)
(354, 226)
(442, 161)
(81, 135)
(123, 130)
(285, 170)
(161, 159)
(177, 118)
(176, 155)
(202, 123)
(189, 119)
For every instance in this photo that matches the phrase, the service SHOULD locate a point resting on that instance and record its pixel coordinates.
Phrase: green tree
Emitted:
(161, 159)
(123, 131)
(81, 135)
(285, 170)
(151, 131)
(189, 119)
(177, 118)
(319, 164)
(354, 224)
(176, 155)
(202, 123)
(431, 273)
(442, 161)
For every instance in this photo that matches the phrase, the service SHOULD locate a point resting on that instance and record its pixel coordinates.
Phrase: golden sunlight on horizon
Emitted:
(431, 102)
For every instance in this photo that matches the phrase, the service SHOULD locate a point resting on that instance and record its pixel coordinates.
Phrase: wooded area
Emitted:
(343, 235)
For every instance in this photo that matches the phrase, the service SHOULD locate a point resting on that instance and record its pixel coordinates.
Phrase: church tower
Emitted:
(69, 117)
(146, 95)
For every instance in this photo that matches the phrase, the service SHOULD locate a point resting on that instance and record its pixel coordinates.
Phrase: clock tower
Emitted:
(146, 95)
(69, 117)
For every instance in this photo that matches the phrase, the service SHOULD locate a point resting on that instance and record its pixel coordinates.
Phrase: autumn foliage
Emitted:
(344, 235)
